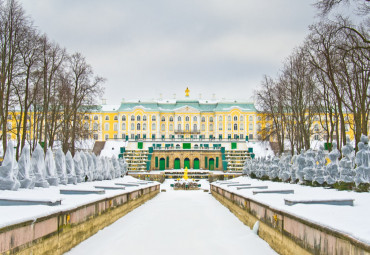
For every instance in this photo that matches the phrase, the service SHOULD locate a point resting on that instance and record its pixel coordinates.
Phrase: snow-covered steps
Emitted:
(320, 201)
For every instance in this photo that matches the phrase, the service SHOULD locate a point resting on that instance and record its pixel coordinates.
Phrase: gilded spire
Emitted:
(187, 92)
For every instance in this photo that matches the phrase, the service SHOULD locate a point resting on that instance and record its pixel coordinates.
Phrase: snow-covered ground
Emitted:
(10, 215)
(176, 222)
(352, 220)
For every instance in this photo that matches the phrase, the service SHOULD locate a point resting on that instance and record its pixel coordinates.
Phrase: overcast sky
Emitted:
(145, 48)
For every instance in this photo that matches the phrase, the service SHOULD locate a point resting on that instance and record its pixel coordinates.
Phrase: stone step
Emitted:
(285, 191)
(25, 201)
(321, 201)
(253, 187)
(109, 187)
(80, 191)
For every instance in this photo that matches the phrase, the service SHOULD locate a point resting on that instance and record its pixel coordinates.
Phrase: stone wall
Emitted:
(286, 233)
(58, 233)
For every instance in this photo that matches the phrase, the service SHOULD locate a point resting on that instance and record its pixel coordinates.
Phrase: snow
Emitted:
(176, 222)
(346, 219)
(261, 149)
(10, 215)
(112, 148)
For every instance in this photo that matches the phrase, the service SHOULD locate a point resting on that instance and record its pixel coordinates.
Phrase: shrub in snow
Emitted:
(362, 164)
(286, 167)
(320, 174)
(301, 162)
(25, 175)
(309, 170)
(38, 167)
(70, 167)
(346, 172)
(274, 168)
(51, 175)
(332, 168)
(60, 164)
(8, 180)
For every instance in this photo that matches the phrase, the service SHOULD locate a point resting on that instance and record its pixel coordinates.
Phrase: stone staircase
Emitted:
(235, 159)
(136, 159)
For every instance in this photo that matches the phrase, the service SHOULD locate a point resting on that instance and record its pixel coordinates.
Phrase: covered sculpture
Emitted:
(60, 164)
(38, 167)
(70, 167)
(25, 175)
(51, 173)
(8, 180)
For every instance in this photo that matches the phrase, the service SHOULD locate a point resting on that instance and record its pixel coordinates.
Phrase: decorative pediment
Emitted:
(186, 109)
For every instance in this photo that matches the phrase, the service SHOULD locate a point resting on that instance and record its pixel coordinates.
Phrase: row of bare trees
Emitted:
(326, 79)
(43, 89)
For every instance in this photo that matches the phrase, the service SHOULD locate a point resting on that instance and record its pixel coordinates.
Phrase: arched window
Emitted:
(153, 126)
(138, 118)
(220, 126)
(203, 127)
(132, 118)
(163, 127)
(316, 128)
(115, 126)
(86, 117)
(171, 118)
(144, 126)
(154, 118)
(211, 127)
(187, 118)
(115, 117)
(195, 118)
(138, 126)
(106, 117)
(179, 127)
(241, 118)
(179, 118)
(228, 126)
(229, 118)
(195, 127)
(163, 118)
(235, 118)
(219, 118)
(250, 118)
(196, 146)
(235, 126)
(132, 126)
(210, 119)
(96, 117)
(250, 126)
(95, 126)
(123, 126)
(187, 127)
(171, 127)
(203, 119)
(86, 126)
(242, 126)
(123, 117)
(106, 127)
(144, 118)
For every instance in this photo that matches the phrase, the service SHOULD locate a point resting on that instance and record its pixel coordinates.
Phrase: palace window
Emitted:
(132, 118)
(187, 118)
(235, 118)
(86, 117)
(210, 119)
(95, 136)
(96, 117)
(123, 117)
(163, 118)
(106, 117)
(86, 126)
(115, 126)
(211, 127)
(138, 118)
(138, 126)
(123, 136)
(153, 126)
(106, 127)
(195, 118)
(171, 127)
(229, 118)
(235, 126)
(242, 126)
(250, 126)
(203, 119)
(106, 137)
(250, 118)
(163, 127)
(241, 118)
(203, 127)
(115, 117)
(144, 126)
(154, 118)
(123, 126)
(171, 118)
(195, 127)
(132, 126)
(95, 126)
(220, 126)
(219, 118)
(187, 127)
(316, 128)
(316, 137)
(179, 118)
(179, 127)
(144, 118)
(228, 126)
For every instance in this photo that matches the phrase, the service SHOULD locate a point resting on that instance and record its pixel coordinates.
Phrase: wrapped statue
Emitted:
(25, 175)
(309, 170)
(38, 167)
(320, 164)
(332, 168)
(79, 168)
(70, 167)
(61, 168)
(51, 174)
(8, 180)
(301, 162)
(346, 172)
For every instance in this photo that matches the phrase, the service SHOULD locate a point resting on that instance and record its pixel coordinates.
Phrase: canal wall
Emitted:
(59, 232)
(286, 233)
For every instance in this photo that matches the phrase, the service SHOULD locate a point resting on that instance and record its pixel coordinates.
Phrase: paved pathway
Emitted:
(176, 222)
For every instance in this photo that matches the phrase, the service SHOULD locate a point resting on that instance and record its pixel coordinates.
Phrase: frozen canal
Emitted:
(176, 222)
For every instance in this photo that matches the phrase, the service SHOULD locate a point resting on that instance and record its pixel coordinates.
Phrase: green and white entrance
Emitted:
(177, 163)
(187, 163)
(196, 163)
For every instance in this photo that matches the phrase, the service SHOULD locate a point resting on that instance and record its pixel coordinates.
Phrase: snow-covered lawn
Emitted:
(10, 215)
(352, 220)
(176, 222)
